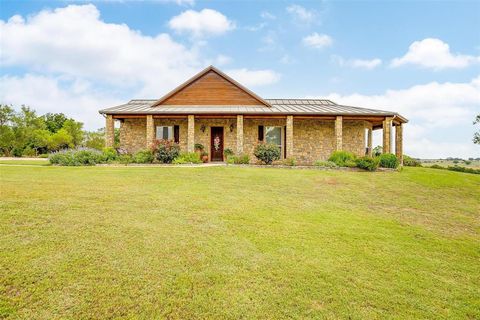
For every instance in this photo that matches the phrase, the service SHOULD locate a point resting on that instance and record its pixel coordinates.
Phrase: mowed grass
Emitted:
(36, 162)
(238, 243)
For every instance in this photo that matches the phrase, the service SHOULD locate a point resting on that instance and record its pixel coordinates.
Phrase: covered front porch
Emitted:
(306, 138)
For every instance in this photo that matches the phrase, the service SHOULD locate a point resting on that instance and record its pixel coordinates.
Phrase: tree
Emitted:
(61, 140)
(7, 136)
(95, 139)
(54, 121)
(74, 129)
(40, 140)
(476, 135)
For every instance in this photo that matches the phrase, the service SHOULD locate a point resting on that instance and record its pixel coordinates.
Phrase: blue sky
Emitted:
(421, 59)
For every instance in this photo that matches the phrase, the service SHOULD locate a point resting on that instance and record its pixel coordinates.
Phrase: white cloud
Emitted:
(301, 14)
(357, 63)
(317, 41)
(437, 111)
(434, 54)
(267, 15)
(223, 60)
(74, 41)
(75, 98)
(201, 23)
(254, 78)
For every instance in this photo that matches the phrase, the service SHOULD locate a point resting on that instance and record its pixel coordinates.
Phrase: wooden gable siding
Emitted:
(211, 89)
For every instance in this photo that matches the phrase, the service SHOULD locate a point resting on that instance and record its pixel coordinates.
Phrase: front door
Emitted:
(216, 144)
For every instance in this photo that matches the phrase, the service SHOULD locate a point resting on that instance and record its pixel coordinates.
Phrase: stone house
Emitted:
(216, 111)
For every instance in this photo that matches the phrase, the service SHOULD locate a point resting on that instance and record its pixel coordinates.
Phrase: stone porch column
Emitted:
(339, 133)
(369, 142)
(289, 134)
(150, 130)
(239, 134)
(109, 131)
(387, 127)
(191, 133)
(399, 142)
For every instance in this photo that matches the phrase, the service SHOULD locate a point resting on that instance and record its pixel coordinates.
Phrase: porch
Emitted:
(306, 138)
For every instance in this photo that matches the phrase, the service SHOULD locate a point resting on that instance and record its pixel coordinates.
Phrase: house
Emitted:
(216, 111)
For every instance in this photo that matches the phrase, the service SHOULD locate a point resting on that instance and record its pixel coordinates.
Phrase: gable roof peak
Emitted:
(208, 69)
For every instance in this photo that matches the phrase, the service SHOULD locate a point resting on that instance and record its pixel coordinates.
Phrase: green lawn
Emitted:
(39, 162)
(238, 243)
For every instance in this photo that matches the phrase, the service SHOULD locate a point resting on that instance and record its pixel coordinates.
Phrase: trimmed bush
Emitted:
(166, 150)
(143, 156)
(76, 157)
(411, 162)
(388, 160)
(267, 153)
(187, 157)
(325, 164)
(289, 162)
(109, 154)
(341, 158)
(228, 153)
(350, 164)
(241, 159)
(125, 158)
(367, 163)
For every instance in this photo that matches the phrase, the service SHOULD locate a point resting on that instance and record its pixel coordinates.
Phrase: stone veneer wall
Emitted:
(313, 139)
(133, 134)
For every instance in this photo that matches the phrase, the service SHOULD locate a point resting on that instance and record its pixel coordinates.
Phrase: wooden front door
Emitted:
(216, 144)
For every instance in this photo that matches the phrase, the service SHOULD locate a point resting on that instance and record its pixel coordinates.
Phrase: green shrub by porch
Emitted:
(267, 153)
(342, 158)
(388, 160)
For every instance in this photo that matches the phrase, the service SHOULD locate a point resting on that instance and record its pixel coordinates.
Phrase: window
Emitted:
(273, 135)
(164, 133)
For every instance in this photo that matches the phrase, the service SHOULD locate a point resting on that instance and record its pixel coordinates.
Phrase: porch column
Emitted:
(289, 134)
(369, 141)
(387, 143)
(150, 130)
(338, 133)
(109, 131)
(191, 133)
(239, 134)
(399, 142)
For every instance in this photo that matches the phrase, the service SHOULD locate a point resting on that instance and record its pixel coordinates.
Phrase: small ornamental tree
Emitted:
(267, 153)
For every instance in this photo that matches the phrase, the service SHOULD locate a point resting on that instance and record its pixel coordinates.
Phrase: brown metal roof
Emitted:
(278, 107)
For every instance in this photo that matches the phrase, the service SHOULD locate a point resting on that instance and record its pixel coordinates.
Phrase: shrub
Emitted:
(166, 150)
(436, 166)
(341, 157)
(228, 153)
(388, 160)
(187, 157)
(44, 155)
(367, 163)
(109, 154)
(28, 152)
(411, 162)
(76, 157)
(143, 156)
(325, 164)
(125, 158)
(267, 153)
(463, 169)
(240, 159)
(289, 162)
(350, 164)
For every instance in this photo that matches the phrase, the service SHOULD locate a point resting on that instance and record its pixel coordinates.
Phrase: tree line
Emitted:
(24, 133)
